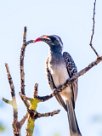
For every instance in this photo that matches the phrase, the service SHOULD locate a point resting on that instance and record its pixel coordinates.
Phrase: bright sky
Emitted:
(72, 21)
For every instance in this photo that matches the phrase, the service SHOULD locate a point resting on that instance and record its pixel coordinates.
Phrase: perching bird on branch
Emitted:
(60, 67)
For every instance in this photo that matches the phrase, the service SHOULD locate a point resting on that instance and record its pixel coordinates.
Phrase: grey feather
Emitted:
(73, 125)
(52, 85)
(70, 65)
(72, 70)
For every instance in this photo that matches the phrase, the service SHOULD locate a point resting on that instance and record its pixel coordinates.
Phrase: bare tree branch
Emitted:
(32, 113)
(93, 30)
(22, 74)
(16, 124)
(35, 90)
(22, 121)
(10, 81)
(24, 99)
(7, 101)
(14, 103)
(48, 114)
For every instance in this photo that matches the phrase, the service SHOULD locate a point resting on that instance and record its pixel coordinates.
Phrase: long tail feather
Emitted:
(73, 125)
(61, 101)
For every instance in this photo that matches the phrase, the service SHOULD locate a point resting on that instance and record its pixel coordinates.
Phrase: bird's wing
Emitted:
(50, 79)
(72, 70)
(71, 67)
(52, 85)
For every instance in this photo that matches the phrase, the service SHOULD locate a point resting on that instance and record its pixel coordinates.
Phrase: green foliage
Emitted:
(56, 134)
(30, 124)
(33, 103)
(2, 128)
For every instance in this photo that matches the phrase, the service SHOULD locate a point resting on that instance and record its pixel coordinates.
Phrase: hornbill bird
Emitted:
(60, 66)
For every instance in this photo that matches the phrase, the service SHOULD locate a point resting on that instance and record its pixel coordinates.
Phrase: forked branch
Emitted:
(16, 124)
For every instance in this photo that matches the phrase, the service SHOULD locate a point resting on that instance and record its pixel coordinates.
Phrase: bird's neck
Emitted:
(55, 56)
(56, 49)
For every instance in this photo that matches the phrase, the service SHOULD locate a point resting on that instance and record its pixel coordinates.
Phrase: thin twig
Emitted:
(41, 98)
(7, 101)
(48, 114)
(14, 103)
(10, 81)
(23, 119)
(22, 74)
(93, 30)
(35, 90)
(24, 99)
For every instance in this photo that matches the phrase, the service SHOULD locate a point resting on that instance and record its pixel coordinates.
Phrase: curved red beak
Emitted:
(38, 40)
(42, 38)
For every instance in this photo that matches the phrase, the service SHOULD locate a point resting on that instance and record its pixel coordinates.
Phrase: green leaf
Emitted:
(56, 134)
(2, 128)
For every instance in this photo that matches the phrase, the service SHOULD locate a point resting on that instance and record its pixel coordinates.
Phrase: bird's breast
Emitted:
(59, 73)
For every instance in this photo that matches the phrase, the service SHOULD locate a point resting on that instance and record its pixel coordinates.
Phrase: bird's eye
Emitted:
(53, 39)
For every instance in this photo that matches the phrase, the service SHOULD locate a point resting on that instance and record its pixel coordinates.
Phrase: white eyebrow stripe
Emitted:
(46, 37)
(59, 39)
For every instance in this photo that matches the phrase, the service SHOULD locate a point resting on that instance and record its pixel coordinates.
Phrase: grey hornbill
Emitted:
(60, 67)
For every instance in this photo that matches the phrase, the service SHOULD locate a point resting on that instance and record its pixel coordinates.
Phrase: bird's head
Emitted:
(54, 41)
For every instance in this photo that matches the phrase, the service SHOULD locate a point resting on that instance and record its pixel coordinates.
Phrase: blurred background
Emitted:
(72, 21)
